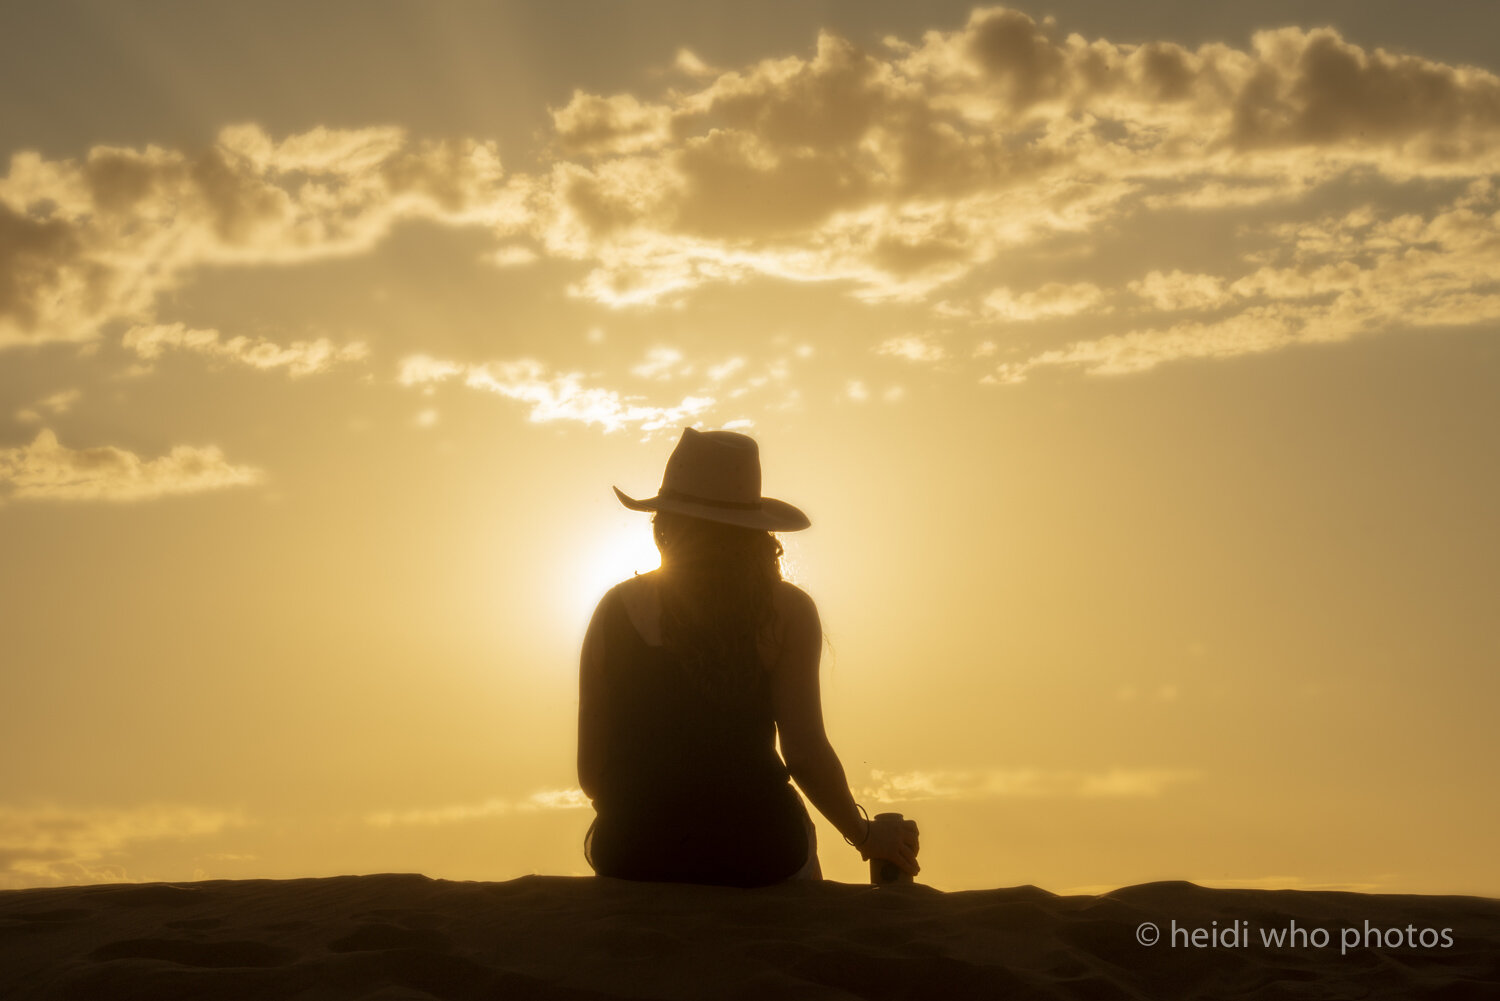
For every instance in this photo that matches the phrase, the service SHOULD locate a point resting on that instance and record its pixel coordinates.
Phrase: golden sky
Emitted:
(1136, 365)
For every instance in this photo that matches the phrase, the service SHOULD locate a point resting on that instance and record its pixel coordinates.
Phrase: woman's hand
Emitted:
(894, 841)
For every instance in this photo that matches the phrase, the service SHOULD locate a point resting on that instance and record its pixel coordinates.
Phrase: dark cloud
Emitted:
(728, 192)
(1316, 89)
(86, 243)
(1017, 57)
(827, 103)
(33, 253)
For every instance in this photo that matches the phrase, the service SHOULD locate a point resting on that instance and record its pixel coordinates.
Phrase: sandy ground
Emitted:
(409, 937)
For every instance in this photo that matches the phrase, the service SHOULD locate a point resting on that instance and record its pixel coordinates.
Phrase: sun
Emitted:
(609, 553)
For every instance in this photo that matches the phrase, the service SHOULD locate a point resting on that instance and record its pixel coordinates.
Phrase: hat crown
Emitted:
(716, 466)
(715, 476)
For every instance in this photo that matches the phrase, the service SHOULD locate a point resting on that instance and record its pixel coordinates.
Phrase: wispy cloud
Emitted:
(55, 404)
(1178, 290)
(909, 787)
(662, 363)
(554, 396)
(47, 470)
(912, 347)
(548, 799)
(1051, 299)
(299, 358)
(50, 846)
(1326, 280)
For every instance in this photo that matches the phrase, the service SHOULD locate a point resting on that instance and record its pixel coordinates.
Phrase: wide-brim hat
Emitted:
(715, 475)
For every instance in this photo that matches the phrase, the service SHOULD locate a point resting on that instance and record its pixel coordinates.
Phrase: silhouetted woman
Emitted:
(689, 673)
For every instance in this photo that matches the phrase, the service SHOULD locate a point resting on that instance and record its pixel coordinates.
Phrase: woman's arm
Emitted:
(804, 742)
(590, 705)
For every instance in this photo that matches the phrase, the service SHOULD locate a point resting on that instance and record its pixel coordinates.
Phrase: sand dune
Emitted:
(394, 937)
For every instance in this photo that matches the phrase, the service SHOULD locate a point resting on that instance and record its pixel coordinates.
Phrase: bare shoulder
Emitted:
(635, 589)
(642, 601)
(798, 632)
(795, 609)
(623, 592)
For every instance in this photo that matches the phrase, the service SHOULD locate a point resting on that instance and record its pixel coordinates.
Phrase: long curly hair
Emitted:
(716, 597)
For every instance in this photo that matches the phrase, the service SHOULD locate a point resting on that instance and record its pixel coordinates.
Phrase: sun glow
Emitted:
(611, 553)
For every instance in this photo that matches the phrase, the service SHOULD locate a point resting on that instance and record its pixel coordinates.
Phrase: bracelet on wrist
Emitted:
(857, 844)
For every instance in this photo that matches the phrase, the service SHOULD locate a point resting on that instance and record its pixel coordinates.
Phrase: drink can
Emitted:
(882, 871)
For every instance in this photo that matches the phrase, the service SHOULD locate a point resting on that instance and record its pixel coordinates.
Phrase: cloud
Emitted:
(48, 846)
(299, 358)
(87, 242)
(1313, 88)
(912, 347)
(662, 363)
(1051, 299)
(689, 63)
(513, 255)
(1251, 332)
(551, 396)
(548, 799)
(617, 124)
(901, 170)
(559, 799)
(46, 470)
(909, 787)
(565, 397)
(56, 404)
(418, 370)
(723, 370)
(1179, 290)
(1326, 280)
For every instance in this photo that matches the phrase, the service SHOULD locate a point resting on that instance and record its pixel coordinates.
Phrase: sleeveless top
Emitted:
(691, 788)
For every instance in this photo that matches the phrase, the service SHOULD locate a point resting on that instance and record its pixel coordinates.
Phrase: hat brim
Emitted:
(771, 516)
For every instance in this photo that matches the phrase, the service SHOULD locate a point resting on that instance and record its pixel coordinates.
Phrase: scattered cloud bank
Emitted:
(911, 787)
(918, 171)
(51, 846)
(914, 166)
(48, 470)
(549, 799)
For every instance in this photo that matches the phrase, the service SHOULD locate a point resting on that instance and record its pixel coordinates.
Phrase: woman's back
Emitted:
(692, 788)
(642, 598)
